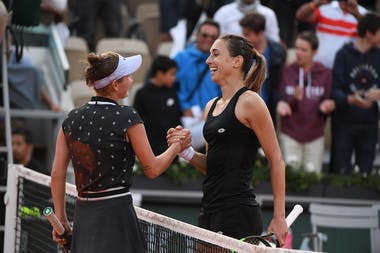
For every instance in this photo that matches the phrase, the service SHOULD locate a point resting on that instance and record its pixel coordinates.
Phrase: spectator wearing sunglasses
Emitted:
(195, 87)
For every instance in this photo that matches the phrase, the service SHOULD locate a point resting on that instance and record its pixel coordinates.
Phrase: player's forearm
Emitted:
(58, 186)
(156, 166)
(199, 162)
(278, 188)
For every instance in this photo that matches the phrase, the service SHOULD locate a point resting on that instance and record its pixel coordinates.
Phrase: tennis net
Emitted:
(27, 230)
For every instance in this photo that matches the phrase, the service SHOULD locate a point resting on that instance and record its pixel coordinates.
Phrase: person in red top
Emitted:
(336, 23)
(305, 92)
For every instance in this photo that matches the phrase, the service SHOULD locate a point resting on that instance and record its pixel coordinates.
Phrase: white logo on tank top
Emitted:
(221, 130)
(170, 102)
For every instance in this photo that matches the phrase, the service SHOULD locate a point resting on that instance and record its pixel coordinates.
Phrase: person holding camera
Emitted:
(336, 23)
(356, 91)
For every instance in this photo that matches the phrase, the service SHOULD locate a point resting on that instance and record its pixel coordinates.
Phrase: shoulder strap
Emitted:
(213, 105)
(199, 81)
(236, 96)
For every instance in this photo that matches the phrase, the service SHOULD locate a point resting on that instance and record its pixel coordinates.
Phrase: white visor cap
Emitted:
(125, 66)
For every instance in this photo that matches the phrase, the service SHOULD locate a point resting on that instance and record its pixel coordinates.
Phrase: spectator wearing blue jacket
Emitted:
(195, 87)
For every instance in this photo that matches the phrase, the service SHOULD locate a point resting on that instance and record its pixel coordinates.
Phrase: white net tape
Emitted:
(20, 177)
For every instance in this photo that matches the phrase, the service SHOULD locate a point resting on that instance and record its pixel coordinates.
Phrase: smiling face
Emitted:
(220, 61)
(206, 36)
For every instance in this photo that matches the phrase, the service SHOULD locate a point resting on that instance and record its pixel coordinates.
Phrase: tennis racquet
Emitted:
(58, 227)
(268, 239)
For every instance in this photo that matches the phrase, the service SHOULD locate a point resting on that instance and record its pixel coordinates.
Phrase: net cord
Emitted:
(10, 200)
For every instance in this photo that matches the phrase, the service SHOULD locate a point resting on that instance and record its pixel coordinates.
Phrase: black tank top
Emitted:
(232, 150)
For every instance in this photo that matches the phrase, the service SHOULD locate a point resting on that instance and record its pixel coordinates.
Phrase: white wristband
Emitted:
(187, 154)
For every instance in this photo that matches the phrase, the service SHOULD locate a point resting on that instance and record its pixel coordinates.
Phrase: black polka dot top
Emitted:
(96, 137)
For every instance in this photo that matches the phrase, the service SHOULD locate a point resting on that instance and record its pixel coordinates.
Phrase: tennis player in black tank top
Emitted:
(231, 194)
(235, 124)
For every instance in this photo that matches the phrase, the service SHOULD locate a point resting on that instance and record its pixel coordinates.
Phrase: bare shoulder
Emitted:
(250, 108)
(250, 100)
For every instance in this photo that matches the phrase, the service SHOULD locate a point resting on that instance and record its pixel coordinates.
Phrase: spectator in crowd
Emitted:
(27, 85)
(174, 10)
(305, 91)
(229, 16)
(55, 13)
(158, 104)
(22, 148)
(171, 12)
(288, 25)
(356, 91)
(87, 12)
(335, 22)
(195, 87)
(253, 27)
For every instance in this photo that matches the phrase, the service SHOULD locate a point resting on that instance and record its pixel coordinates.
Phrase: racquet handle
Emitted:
(263, 241)
(292, 216)
(58, 227)
(53, 219)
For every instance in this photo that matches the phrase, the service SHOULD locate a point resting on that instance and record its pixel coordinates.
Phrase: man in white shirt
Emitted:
(335, 22)
(229, 15)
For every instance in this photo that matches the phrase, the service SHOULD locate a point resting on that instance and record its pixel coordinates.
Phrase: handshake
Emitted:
(182, 137)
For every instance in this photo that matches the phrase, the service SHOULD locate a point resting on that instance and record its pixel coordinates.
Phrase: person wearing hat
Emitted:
(101, 139)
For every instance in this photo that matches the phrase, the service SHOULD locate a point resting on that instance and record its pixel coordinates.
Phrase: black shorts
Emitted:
(237, 222)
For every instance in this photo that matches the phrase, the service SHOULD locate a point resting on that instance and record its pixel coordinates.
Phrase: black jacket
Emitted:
(355, 71)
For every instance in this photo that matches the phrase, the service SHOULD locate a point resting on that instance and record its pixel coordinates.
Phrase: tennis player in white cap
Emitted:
(101, 139)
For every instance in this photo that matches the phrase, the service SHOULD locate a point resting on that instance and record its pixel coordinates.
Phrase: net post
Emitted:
(10, 201)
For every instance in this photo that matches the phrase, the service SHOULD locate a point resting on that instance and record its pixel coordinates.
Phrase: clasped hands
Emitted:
(179, 135)
(364, 99)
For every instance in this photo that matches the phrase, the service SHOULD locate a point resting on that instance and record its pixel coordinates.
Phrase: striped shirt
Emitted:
(334, 29)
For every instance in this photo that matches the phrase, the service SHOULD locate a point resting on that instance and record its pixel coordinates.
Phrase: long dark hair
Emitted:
(254, 66)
